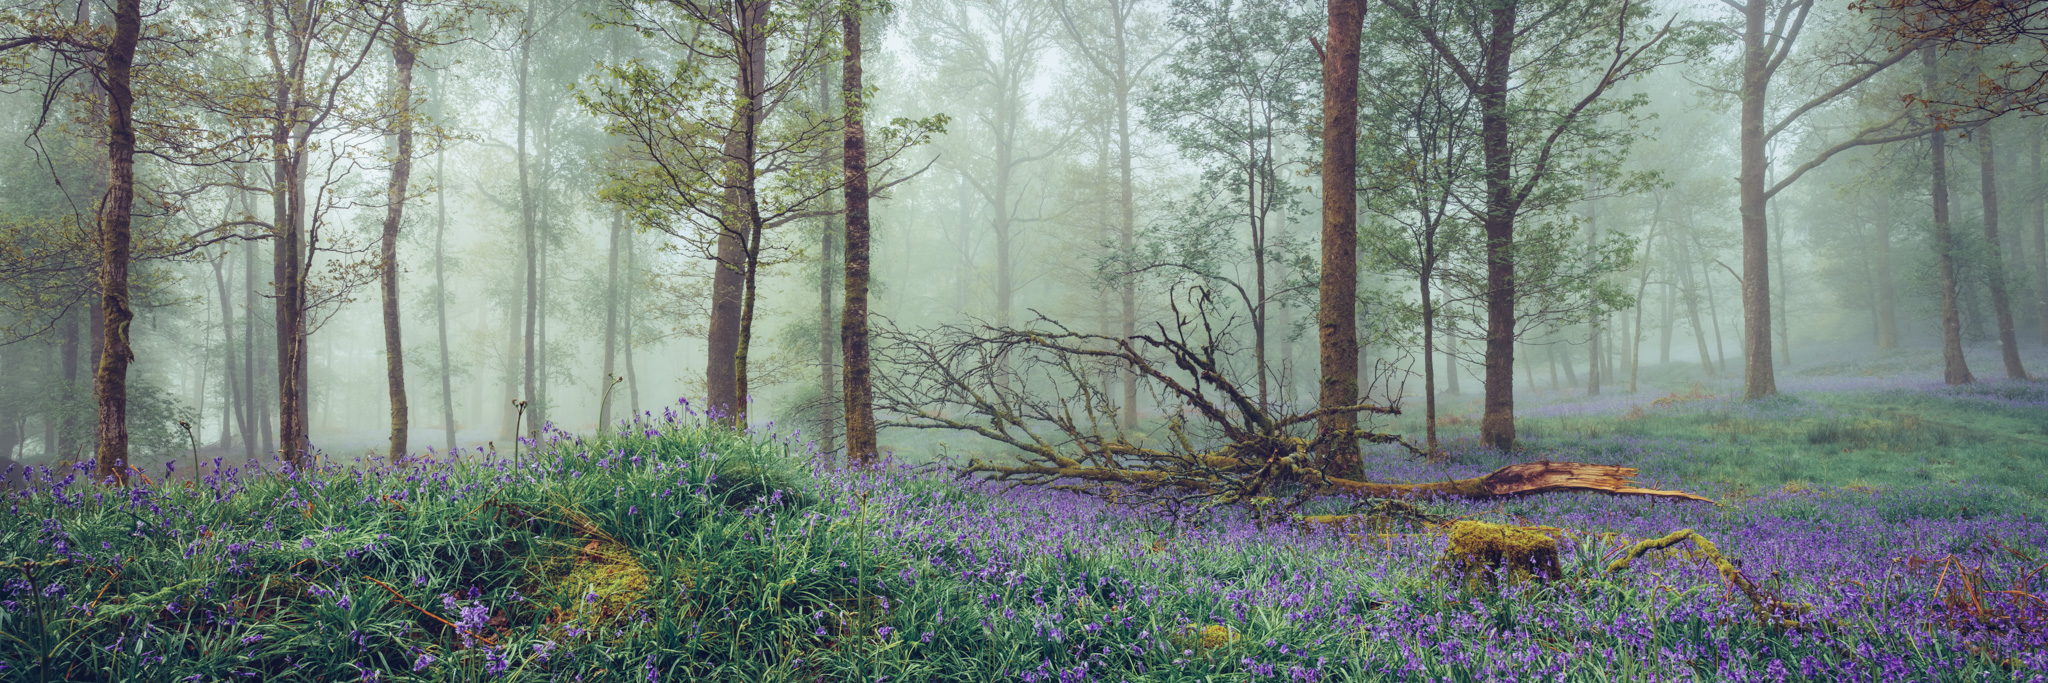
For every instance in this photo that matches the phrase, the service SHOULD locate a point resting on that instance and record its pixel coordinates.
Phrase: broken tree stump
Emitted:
(1480, 554)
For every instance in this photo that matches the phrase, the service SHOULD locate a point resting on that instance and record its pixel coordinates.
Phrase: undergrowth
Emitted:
(676, 550)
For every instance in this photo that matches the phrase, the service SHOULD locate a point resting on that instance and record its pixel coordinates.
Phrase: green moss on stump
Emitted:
(1479, 553)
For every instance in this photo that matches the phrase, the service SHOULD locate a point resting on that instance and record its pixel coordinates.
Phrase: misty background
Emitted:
(1084, 160)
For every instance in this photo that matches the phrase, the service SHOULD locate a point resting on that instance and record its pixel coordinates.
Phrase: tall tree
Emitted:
(1115, 42)
(1237, 86)
(1532, 122)
(1994, 263)
(611, 318)
(1337, 289)
(721, 175)
(2037, 199)
(861, 442)
(1955, 370)
(441, 280)
(1416, 158)
(110, 381)
(990, 50)
(232, 376)
(1881, 258)
(402, 57)
(529, 230)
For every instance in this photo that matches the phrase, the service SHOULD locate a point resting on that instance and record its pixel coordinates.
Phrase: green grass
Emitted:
(1890, 438)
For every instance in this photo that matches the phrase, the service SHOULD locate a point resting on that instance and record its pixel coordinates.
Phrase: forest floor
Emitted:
(1897, 529)
(1880, 421)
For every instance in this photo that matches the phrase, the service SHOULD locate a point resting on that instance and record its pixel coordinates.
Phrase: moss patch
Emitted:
(1479, 553)
(598, 583)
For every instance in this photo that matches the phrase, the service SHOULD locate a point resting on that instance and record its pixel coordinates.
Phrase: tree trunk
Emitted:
(1497, 426)
(1550, 354)
(1428, 361)
(441, 293)
(67, 359)
(828, 372)
(238, 394)
(756, 20)
(1529, 369)
(110, 382)
(258, 406)
(1257, 223)
(1667, 318)
(1887, 299)
(1691, 292)
(1994, 261)
(611, 322)
(401, 176)
(627, 287)
(861, 444)
(1337, 289)
(1784, 291)
(1635, 335)
(289, 262)
(1758, 377)
(724, 379)
(2038, 198)
(1596, 362)
(538, 413)
(508, 411)
(1955, 369)
(528, 229)
(1451, 369)
(830, 400)
(1127, 233)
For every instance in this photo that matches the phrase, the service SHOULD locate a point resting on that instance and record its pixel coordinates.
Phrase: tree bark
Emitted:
(67, 358)
(1994, 261)
(1881, 260)
(1758, 376)
(538, 413)
(755, 73)
(110, 381)
(1451, 368)
(2038, 199)
(632, 373)
(1337, 289)
(528, 230)
(441, 293)
(1955, 369)
(401, 176)
(830, 400)
(1784, 289)
(1428, 353)
(288, 265)
(238, 393)
(1635, 334)
(1691, 291)
(861, 443)
(252, 360)
(611, 321)
(1596, 361)
(1497, 425)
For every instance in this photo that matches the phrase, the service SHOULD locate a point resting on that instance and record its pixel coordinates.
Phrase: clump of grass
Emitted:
(1901, 432)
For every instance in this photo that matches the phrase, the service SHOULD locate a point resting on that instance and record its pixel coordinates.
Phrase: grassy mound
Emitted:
(674, 551)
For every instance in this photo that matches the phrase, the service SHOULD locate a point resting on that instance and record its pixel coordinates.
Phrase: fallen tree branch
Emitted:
(1771, 609)
(1041, 390)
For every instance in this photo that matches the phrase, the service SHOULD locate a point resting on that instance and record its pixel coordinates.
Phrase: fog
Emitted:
(1101, 163)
